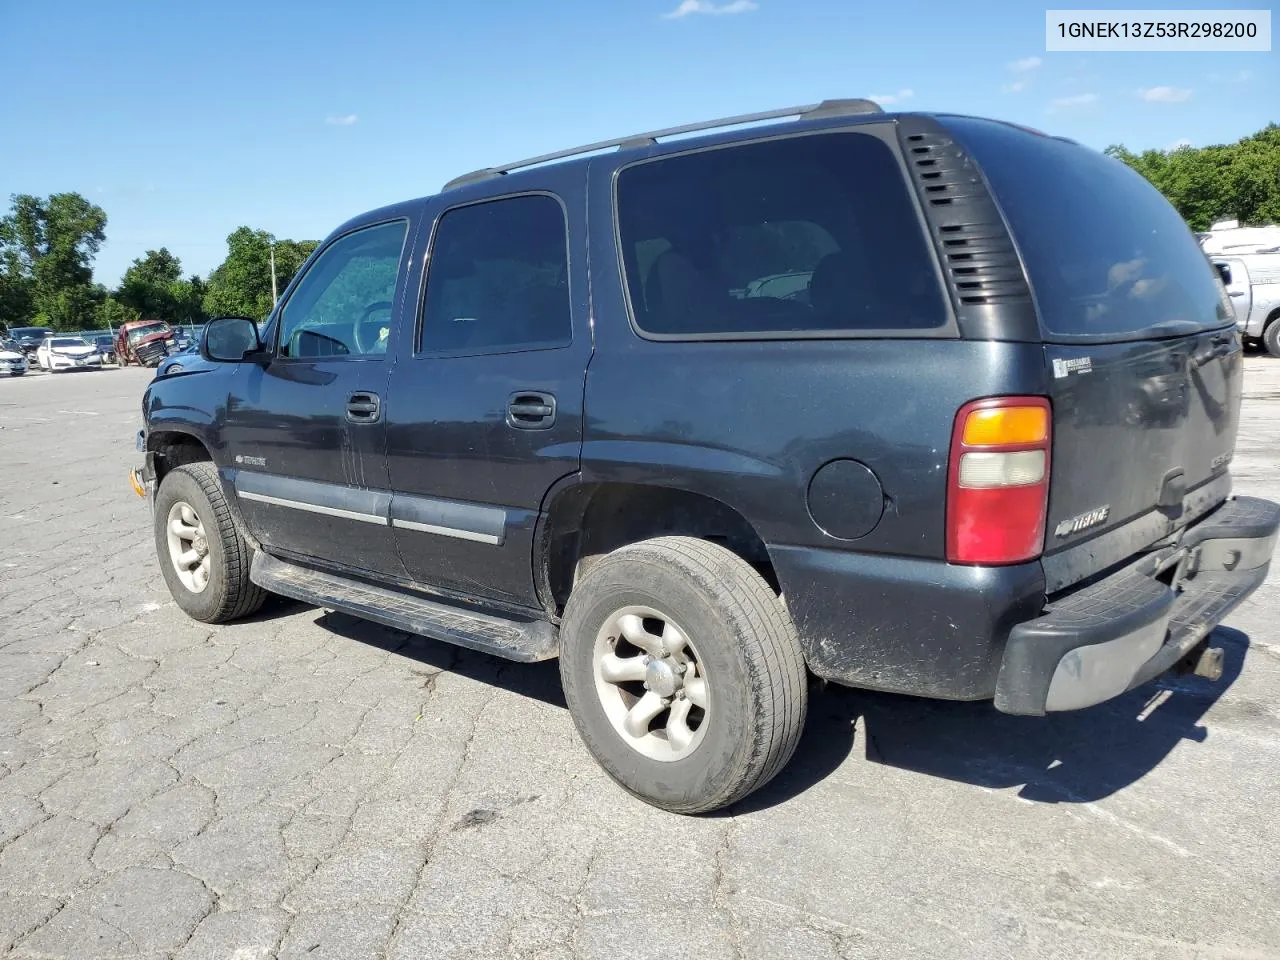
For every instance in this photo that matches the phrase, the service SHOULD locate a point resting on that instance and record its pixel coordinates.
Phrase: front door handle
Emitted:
(364, 407)
(530, 410)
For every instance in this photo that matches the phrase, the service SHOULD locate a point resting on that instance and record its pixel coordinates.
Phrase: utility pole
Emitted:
(274, 296)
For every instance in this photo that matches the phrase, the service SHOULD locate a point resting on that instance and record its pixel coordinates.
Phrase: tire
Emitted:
(228, 593)
(745, 645)
(1271, 337)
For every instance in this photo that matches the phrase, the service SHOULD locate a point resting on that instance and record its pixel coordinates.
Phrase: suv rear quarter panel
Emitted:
(750, 422)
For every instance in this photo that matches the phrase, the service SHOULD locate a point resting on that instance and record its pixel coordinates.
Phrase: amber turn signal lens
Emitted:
(1006, 425)
(136, 482)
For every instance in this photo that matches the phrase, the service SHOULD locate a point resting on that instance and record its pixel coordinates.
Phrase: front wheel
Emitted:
(203, 555)
(683, 673)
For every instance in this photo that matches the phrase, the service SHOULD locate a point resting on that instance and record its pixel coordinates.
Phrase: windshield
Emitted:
(1107, 256)
(26, 333)
(67, 342)
(146, 330)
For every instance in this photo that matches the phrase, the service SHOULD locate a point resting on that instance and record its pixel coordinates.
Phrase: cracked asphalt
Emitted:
(306, 785)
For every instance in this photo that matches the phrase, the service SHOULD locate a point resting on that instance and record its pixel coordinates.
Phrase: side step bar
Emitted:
(525, 641)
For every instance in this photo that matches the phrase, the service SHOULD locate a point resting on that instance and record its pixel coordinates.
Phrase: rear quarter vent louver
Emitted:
(980, 264)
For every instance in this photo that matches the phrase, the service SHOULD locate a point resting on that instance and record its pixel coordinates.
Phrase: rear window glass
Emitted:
(812, 234)
(1107, 255)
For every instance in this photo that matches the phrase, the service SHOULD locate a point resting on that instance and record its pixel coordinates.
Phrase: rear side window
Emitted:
(498, 278)
(1107, 256)
(808, 235)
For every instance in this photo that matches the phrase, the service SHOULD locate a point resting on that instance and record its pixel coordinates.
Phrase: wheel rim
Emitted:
(652, 683)
(188, 546)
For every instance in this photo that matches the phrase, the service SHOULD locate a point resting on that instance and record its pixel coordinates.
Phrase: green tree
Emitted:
(17, 296)
(1238, 181)
(111, 313)
(148, 286)
(188, 298)
(47, 246)
(241, 284)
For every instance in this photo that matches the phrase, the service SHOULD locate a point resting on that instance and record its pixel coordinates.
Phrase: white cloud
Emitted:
(707, 6)
(1025, 64)
(1076, 100)
(342, 120)
(1164, 94)
(1240, 76)
(1016, 87)
(886, 99)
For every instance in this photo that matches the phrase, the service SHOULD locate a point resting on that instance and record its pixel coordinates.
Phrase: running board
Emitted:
(523, 640)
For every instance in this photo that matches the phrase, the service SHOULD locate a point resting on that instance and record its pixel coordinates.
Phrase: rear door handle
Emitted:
(364, 407)
(530, 410)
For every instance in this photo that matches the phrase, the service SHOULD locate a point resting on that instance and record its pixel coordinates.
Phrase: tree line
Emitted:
(47, 248)
(1234, 181)
(48, 244)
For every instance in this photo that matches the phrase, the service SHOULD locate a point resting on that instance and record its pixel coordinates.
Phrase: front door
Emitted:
(306, 431)
(485, 405)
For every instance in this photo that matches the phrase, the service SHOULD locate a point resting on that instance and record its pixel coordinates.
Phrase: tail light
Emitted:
(998, 480)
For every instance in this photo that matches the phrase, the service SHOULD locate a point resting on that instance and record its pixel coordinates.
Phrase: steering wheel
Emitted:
(360, 334)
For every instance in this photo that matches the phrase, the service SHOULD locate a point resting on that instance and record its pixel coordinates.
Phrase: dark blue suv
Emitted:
(928, 404)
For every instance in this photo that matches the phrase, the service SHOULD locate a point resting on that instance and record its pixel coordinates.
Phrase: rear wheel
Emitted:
(203, 555)
(1271, 337)
(683, 673)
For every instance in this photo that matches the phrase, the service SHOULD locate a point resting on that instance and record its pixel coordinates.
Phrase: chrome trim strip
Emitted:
(447, 531)
(312, 508)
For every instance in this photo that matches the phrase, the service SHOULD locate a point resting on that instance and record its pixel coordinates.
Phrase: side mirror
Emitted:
(1224, 272)
(230, 340)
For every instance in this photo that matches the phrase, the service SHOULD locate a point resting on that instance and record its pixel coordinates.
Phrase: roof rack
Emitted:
(812, 111)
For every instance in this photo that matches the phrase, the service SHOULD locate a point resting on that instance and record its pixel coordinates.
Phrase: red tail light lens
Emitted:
(998, 480)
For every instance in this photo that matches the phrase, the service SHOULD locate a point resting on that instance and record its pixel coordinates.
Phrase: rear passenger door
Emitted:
(485, 403)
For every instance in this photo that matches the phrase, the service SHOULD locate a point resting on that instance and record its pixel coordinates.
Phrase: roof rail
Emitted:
(812, 111)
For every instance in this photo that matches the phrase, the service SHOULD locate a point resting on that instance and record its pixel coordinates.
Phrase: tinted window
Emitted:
(342, 305)
(498, 277)
(814, 234)
(1105, 252)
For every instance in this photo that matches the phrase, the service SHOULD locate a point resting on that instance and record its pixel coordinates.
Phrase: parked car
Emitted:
(13, 363)
(29, 340)
(528, 415)
(67, 353)
(1252, 280)
(106, 347)
(185, 360)
(144, 342)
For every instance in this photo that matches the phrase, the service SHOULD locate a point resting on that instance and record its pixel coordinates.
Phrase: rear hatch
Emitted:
(1143, 364)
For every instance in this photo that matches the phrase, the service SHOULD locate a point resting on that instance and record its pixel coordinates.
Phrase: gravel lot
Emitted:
(308, 785)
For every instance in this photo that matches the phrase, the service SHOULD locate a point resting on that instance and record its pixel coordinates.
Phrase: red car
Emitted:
(144, 342)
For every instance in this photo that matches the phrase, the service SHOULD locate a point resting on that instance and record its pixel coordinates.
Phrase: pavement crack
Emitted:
(721, 891)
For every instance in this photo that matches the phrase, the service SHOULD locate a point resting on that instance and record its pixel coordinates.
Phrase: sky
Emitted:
(184, 121)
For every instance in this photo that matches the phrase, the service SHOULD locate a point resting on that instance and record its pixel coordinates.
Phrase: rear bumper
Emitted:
(1099, 641)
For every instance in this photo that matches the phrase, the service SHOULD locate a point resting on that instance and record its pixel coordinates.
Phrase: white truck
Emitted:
(1248, 258)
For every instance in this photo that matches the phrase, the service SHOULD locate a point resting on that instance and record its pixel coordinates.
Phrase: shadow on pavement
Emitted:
(541, 681)
(1074, 757)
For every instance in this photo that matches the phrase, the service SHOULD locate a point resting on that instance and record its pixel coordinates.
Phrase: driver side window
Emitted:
(343, 304)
